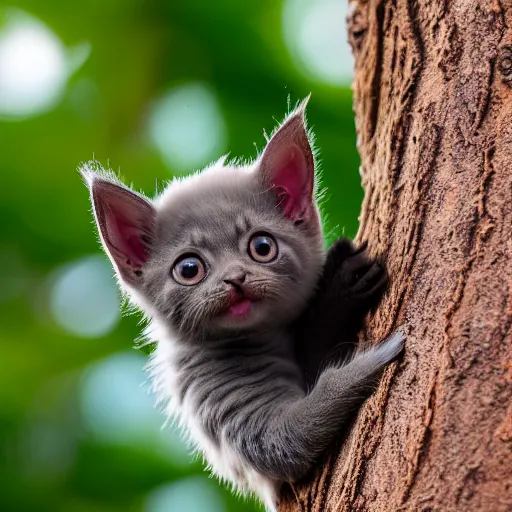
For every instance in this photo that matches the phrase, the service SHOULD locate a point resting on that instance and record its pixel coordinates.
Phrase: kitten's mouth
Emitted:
(239, 305)
(240, 308)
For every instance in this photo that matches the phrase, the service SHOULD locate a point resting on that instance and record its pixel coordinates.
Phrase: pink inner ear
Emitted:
(126, 238)
(293, 184)
(288, 167)
(138, 250)
(130, 244)
(126, 223)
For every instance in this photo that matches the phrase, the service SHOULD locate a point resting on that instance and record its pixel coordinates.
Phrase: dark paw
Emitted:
(350, 286)
(365, 278)
(350, 273)
(338, 253)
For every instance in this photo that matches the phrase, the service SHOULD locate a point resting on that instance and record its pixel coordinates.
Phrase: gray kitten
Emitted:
(223, 262)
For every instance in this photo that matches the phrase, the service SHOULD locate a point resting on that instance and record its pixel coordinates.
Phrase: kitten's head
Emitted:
(227, 250)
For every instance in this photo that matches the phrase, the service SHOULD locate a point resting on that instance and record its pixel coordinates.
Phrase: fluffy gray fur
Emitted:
(233, 382)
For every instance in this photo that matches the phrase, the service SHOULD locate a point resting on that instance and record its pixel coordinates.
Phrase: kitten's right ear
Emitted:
(287, 167)
(126, 222)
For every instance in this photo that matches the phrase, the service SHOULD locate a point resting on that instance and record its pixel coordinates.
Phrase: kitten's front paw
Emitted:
(351, 273)
(366, 278)
(338, 253)
(391, 347)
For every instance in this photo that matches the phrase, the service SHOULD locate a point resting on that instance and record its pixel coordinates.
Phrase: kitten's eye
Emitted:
(262, 248)
(189, 271)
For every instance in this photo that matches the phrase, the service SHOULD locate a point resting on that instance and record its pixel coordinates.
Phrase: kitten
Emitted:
(224, 263)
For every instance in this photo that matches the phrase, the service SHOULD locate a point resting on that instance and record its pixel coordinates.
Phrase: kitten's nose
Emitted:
(236, 280)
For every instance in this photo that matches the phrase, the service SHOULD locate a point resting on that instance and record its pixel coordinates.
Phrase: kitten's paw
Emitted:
(391, 347)
(370, 363)
(367, 280)
(362, 278)
(338, 253)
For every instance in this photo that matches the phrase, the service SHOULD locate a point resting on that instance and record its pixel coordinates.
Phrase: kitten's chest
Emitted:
(205, 390)
(195, 383)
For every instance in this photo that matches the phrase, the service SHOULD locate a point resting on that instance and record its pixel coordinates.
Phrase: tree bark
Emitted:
(433, 106)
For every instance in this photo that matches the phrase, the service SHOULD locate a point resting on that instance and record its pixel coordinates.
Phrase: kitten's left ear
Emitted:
(287, 167)
(125, 222)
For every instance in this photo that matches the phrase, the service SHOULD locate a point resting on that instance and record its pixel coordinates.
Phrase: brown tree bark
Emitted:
(433, 106)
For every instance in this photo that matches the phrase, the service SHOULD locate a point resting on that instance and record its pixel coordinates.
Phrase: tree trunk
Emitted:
(433, 105)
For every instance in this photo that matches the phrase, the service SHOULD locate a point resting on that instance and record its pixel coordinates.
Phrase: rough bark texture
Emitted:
(433, 105)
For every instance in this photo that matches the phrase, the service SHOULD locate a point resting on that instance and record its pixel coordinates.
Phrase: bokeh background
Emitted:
(153, 89)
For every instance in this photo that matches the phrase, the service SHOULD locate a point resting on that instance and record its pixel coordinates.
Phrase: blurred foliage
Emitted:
(49, 458)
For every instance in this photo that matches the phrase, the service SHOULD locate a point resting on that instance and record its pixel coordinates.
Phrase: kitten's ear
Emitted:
(126, 225)
(287, 166)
